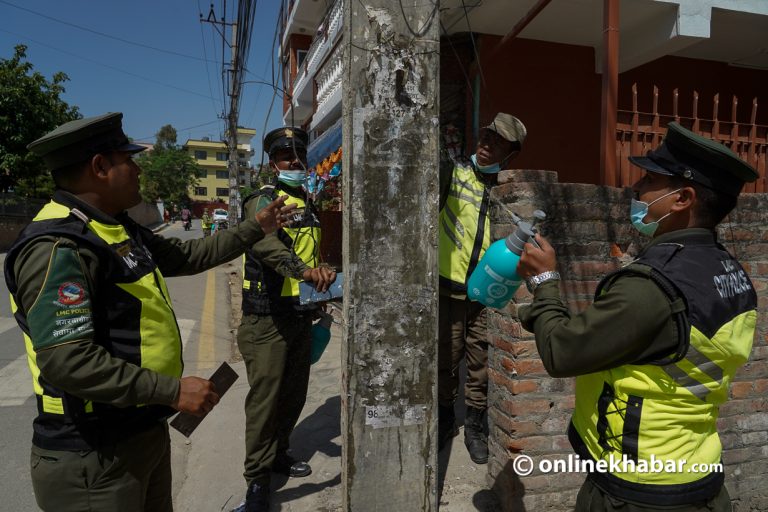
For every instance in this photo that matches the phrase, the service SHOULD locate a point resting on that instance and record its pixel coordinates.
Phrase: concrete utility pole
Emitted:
(390, 109)
(234, 111)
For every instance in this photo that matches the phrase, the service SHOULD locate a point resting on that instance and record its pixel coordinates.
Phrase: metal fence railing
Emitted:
(638, 132)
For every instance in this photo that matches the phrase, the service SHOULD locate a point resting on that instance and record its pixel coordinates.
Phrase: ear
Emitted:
(100, 165)
(686, 198)
(273, 166)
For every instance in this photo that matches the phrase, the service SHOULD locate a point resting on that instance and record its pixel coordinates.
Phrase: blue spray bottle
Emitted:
(494, 281)
(321, 335)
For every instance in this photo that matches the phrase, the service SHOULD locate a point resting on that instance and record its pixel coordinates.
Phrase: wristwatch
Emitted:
(533, 282)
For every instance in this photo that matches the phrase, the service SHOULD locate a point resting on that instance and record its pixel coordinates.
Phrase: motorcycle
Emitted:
(187, 224)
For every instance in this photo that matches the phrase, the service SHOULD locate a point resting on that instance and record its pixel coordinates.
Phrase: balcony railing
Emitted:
(327, 33)
(329, 77)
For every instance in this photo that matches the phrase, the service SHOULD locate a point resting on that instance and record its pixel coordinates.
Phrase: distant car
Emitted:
(220, 214)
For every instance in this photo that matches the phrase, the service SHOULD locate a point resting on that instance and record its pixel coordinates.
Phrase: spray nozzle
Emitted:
(524, 233)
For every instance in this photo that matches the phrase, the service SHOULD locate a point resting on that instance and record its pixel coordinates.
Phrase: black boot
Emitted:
(474, 436)
(446, 426)
(290, 467)
(256, 499)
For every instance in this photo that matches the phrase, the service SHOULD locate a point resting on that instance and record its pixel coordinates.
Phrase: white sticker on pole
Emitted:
(383, 416)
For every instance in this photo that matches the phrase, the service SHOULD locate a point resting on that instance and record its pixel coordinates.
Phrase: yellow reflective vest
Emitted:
(465, 228)
(653, 424)
(265, 291)
(130, 315)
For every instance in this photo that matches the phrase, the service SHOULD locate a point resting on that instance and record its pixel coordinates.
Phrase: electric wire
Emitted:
(428, 23)
(114, 68)
(102, 34)
(207, 68)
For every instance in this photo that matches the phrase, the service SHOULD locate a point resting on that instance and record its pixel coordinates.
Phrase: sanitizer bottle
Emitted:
(321, 335)
(494, 281)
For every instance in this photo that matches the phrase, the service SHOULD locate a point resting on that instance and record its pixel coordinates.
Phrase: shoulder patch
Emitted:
(62, 311)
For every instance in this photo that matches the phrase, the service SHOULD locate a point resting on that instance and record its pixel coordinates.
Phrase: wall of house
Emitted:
(529, 411)
(290, 68)
(554, 90)
(705, 77)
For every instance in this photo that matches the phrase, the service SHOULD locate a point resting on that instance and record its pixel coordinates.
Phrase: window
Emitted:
(300, 56)
(241, 155)
(222, 191)
(201, 155)
(201, 173)
(201, 191)
(221, 157)
(222, 175)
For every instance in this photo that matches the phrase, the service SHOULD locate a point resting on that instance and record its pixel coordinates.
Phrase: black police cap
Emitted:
(77, 141)
(285, 137)
(691, 156)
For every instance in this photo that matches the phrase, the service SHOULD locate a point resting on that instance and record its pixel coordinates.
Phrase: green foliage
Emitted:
(30, 107)
(167, 172)
(166, 138)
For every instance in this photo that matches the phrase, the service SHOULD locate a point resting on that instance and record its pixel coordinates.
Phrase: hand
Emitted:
(536, 260)
(275, 215)
(321, 277)
(196, 396)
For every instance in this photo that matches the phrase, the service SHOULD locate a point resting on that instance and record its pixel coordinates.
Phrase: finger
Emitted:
(543, 243)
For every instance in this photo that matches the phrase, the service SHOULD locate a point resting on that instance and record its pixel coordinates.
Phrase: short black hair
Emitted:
(712, 206)
(66, 177)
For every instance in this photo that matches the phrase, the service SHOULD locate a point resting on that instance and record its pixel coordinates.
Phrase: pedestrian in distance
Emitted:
(655, 354)
(464, 237)
(88, 292)
(274, 335)
(205, 222)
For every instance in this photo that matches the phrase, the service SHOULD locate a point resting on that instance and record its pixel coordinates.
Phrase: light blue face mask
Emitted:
(639, 209)
(292, 178)
(485, 169)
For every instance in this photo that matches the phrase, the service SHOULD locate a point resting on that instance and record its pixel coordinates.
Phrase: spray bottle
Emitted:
(321, 335)
(494, 281)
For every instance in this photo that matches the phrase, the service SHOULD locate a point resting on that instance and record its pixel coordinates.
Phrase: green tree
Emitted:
(168, 171)
(30, 107)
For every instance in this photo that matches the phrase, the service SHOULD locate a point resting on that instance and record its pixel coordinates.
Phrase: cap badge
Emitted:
(289, 133)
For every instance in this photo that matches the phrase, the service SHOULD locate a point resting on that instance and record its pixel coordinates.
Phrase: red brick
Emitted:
(741, 389)
(527, 406)
(532, 367)
(536, 444)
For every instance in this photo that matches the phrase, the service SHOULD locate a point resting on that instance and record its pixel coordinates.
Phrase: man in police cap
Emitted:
(274, 334)
(104, 349)
(464, 236)
(655, 353)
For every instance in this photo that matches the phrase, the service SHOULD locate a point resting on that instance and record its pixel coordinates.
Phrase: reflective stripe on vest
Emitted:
(464, 228)
(668, 412)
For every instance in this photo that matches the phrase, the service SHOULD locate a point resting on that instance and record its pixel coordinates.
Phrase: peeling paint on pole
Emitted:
(390, 110)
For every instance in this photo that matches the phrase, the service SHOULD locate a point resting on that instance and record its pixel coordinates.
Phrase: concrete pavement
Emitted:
(212, 479)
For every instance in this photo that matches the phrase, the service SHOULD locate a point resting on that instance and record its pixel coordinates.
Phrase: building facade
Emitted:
(212, 157)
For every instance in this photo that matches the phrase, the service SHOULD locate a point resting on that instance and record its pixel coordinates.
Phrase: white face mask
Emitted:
(639, 209)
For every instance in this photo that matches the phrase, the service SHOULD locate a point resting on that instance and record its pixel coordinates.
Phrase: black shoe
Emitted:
(256, 499)
(474, 436)
(288, 466)
(446, 426)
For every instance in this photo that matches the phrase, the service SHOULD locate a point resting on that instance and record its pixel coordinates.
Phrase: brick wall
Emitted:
(529, 412)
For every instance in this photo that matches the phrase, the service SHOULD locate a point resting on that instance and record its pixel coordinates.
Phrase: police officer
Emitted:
(655, 353)
(87, 289)
(274, 335)
(464, 237)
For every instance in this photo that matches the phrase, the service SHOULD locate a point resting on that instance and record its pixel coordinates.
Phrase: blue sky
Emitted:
(151, 86)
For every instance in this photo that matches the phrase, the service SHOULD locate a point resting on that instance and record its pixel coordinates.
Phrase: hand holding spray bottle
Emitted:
(494, 281)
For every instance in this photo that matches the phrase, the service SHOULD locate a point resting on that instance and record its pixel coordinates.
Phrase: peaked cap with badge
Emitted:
(79, 140)
(689, 155)
(285, 137)
(509, 127)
